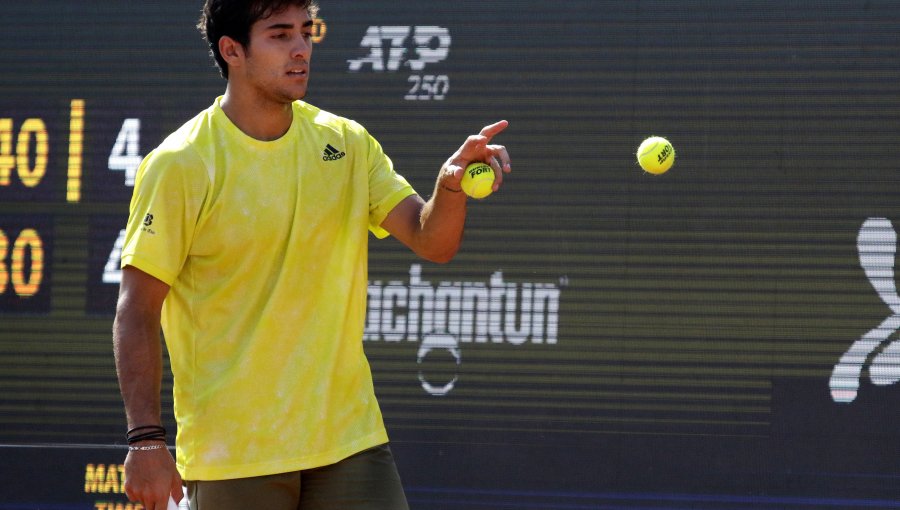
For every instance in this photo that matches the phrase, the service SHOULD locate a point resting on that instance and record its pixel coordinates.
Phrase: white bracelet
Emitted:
(145, 448)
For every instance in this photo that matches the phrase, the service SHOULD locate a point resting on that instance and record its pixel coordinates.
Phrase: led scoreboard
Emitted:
(25, 151)
(43, 179)
(723, 335)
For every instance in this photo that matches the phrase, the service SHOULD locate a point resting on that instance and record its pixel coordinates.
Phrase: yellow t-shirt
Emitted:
(265, 247)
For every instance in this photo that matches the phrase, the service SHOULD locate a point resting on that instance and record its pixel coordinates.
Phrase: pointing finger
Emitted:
(493, 129)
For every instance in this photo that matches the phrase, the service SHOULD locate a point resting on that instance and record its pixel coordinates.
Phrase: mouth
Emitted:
(298, 73)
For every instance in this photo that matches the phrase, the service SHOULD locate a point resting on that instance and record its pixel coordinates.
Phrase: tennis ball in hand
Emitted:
(478, 180)
(656, 155)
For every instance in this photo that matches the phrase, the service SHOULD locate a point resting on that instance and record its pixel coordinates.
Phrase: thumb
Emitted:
(177, 491)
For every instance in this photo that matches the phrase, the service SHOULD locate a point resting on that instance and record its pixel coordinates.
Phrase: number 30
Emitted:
(28, 239)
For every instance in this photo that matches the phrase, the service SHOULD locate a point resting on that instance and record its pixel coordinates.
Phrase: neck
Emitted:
(263, 120)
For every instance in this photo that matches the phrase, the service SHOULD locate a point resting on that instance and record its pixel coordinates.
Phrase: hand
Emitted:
(151, 477)
(478, 148)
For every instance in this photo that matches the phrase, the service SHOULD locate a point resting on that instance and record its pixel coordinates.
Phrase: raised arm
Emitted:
(433, 229)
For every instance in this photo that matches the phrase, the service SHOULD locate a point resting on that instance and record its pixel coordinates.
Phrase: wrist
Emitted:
(146, 433)
(149, 441)
(150, 445)
(448, 181)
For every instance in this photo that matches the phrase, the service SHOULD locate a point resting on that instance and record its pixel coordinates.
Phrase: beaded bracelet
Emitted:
(145, 448)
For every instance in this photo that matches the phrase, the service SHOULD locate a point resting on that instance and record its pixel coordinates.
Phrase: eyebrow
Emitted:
(287, 26)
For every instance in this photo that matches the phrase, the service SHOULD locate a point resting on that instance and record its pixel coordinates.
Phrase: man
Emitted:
(250, 248)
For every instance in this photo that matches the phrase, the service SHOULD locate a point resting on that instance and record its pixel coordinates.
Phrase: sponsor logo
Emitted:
(877, 246)
(413, 46)
(332, 154)
(148, 220)
(664, 154)
(392, 48)
(449, 315)
(478, 170)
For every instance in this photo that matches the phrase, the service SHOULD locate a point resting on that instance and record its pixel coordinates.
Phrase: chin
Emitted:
(292, 96)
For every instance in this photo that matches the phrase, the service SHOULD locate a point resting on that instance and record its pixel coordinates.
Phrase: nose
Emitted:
(303, 48)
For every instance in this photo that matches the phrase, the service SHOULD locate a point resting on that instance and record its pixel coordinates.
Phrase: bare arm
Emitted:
(433, 229)
(150, 475)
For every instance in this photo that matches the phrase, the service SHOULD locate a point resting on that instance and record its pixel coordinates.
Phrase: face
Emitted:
(276, 62)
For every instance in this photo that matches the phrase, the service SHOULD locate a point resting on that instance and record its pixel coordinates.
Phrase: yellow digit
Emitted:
(4, 276)
(31, 177)
(30, 239)
(7, 160)
(76, 148)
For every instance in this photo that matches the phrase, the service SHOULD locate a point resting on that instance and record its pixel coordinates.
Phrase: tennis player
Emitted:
(247, 243)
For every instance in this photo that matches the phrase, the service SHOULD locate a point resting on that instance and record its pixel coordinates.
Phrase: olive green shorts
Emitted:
(365, 481)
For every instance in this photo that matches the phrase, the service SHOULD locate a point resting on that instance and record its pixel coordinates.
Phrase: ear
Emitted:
(231, 50)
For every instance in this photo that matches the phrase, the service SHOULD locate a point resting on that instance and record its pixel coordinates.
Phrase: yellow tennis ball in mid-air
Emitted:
(478, 180)
(656, 155)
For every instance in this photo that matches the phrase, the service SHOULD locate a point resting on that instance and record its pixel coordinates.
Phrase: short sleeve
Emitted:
(165, 207)
(387, 188)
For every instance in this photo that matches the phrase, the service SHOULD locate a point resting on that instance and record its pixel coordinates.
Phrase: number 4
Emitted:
(125, 155)
(112, 273)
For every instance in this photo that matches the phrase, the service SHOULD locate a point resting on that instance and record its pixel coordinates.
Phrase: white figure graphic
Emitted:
(877, 245)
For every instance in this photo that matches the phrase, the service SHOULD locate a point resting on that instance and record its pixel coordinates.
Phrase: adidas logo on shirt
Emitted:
(332, 154)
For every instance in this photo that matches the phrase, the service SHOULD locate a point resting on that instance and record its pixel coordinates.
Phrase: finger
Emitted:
(493, 129)
(498, 173)
(177, 490)
(137, 495)
(501, 155)
(156, 503)
(473, 148)
(499, 161)
(148, 503)
(453, 171)
(153, 498)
